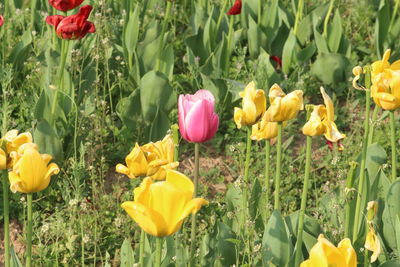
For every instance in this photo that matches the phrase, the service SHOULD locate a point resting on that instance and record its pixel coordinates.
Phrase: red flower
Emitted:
(236, 8)
(74, 26)
(278, 61)
(1, 20)
(65, 5)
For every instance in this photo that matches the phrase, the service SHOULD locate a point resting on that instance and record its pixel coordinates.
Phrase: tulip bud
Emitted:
(372, 209)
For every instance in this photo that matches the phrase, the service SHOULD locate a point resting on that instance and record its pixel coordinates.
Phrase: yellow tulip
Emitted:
(264, 129)
(387, 97)
(152, 160)
(253, 106)
(322, 121)
(382, 70)
(15, 140)
(325, 254)
(283, 107)
(3, 159)
(32, 172)
(372, 244)
(159, 208)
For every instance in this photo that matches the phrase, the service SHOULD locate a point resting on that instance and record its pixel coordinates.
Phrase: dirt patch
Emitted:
(15, 238)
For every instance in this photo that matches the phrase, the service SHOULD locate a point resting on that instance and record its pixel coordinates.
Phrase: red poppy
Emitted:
(1, 20)
(74, 26)
(236, 8)
(65, 5)
(278, 61)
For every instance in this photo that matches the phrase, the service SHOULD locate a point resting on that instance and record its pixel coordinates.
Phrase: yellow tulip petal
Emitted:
(307, 263)
(16, 183)
(32, 170)
(348, 252)
(239, 117)
(250, 111)
(46, 158)
(272, 113)
(16, 141)
(260, 102)
(180, 181)
(52, 169)
(3, 160)
(274, 92)
(264, 130)
(147, 219)
(330, 111)
(373, 244)
(332, 134)
(142, 192)
(136, 162)
(120, 168)
(314, 126)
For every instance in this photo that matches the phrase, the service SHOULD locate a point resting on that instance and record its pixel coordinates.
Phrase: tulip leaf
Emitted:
(277, 247)
(132, 31)
(48, 140)
(382, 26)
(392, 263)
(156, 93)
(288, 53)
(15, 262)
(254, 38)
(128, 109)
(390, 213)
(18, 54)
(127, 254)
(226, 249)
(159, 126)
(335, 32)
(337, 70)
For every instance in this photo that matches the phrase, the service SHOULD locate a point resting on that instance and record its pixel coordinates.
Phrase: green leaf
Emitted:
(15, 262)
(307, 52)
(337, 70)
(48, 140)
(392, 263)
(159, 126)
(226, 249)
(382, 27)
(392, 210)
(277, 247)
(288, 52)
(335, 32)
(254, 38)
(156, 93)
(127, 254)
(132, 31)
(128, 109)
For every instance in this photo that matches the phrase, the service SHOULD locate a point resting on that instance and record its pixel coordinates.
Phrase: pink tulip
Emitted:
(1, 20)
(198, 121)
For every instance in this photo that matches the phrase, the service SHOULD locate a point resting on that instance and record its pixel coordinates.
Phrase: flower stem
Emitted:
(193, 230)
(303, 202)
(141, 248)
(277, 204)
(371, 130)
(396, 7)
(159, 243)
(175, 137)
(33, 9)
(163, 30)
(6, 214)
(393, 143)
(246, 177)
(64, 52)
(328, 15)
(349, 187)
(267, 185)
(299, 15)
(29, 232)
(364, 152)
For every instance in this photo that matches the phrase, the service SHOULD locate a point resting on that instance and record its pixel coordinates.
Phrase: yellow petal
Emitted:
(264, 129)
(148, 220)
(33, 170)
(239, 117)
(330, 111)
(3, 160)
(16, 141)
(137, 162)
(274, 92)
(307, 263)
(16, 183)
(260, 103)
(314, 125)
(142, 192)
(372, 244)
(120, 168)
(332, 133)
(348, 252)
(250, 111)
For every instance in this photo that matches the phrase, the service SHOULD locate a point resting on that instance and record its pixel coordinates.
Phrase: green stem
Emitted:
(349, 186)
(221, 15)
(193, 230)
(246, 177)
(327, 17)
(259, 12)
(277, 204)
(64, 52)
(364, 152)
(299, 15)
(6, 214)
(267, 185)
(371, 131)
(159, 243)
(393, 143)
(396, 7)
(163, 30)
(230, 48)
(175, 137)
(141, 248)
(303, 203)
(82, 246)
(29, 232)
(33, 9)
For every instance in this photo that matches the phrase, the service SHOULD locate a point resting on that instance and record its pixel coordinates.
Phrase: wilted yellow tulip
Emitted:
(32, 172)
(264, 129)
(283, 107)
(372, 244)
(15, 140)
(325, 254)
(253, 106)
(315, 126)
(387, 97)
(152, 160)
(159, 208)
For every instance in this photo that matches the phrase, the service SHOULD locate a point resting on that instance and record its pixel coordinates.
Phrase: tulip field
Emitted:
(200, 133)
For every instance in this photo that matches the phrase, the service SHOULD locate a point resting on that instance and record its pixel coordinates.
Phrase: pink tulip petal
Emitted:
(204, 94)
(197, 122)
(214, 123)
(181, 116)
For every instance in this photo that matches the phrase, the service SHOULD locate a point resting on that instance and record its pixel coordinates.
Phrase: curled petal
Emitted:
(373, 244)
